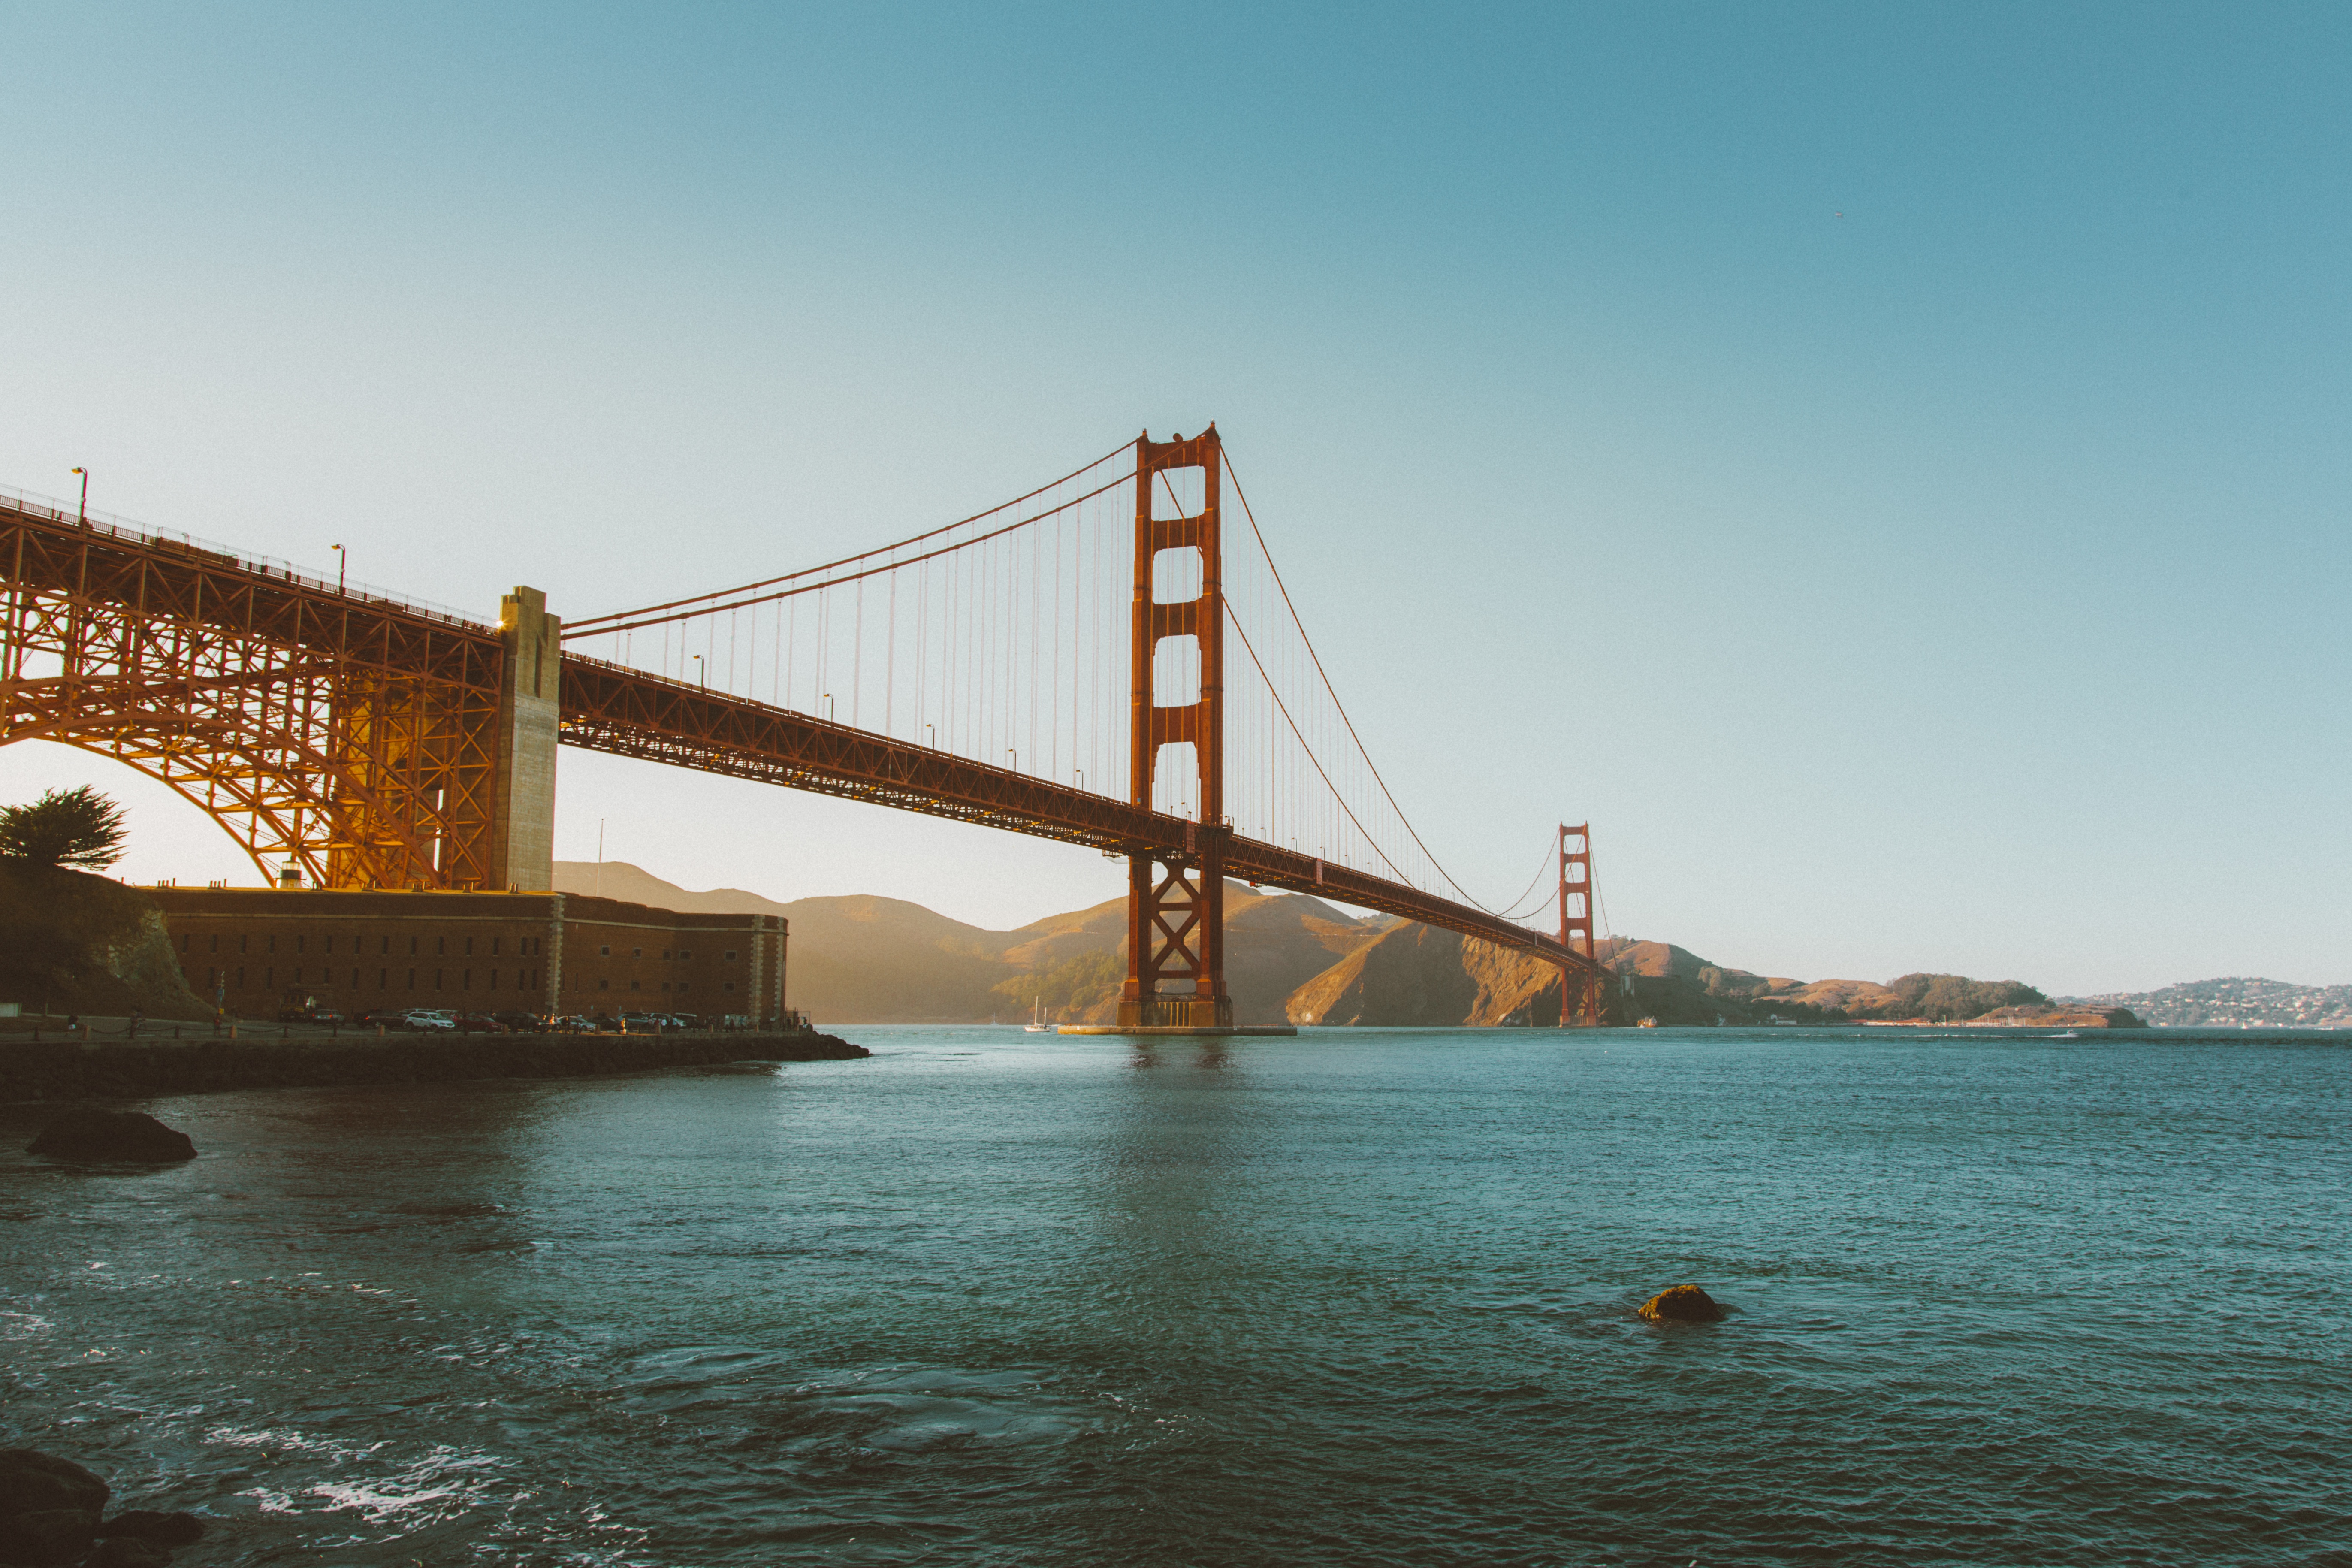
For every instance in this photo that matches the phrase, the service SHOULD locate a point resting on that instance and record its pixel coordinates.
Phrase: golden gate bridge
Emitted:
(1105, 661)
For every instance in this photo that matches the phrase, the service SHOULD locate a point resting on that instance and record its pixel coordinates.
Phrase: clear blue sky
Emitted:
(1886, 464)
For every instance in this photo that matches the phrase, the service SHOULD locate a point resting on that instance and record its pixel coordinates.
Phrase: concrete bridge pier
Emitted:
(522, 806)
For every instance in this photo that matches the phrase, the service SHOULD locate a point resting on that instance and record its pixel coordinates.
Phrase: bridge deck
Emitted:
(612, 708)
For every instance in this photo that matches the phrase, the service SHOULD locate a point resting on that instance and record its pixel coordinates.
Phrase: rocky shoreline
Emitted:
(134, 1069)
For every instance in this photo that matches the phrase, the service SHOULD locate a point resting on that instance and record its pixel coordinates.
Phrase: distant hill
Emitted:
(866, 960)
(2235, 1003)
(869, 959)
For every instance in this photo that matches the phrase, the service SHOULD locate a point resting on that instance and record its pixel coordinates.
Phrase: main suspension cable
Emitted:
(1336, 703)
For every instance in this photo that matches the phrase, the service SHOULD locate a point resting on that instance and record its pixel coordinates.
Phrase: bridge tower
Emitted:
(1176, 899)
(1576, 927)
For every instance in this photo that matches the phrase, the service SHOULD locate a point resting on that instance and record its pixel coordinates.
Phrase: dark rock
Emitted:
(47, 1535)
(163, 1529)
(113, 1135)
(128, 1551)
(33, 1482)
(1682, 1304)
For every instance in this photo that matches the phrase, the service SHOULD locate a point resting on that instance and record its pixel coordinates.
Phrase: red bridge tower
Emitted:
(1176, 900)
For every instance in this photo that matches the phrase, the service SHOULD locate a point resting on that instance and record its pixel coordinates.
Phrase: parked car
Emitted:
(325, 1018)
(385, 1017)
(521, 1022)
(476, 1023)
(422, 1019)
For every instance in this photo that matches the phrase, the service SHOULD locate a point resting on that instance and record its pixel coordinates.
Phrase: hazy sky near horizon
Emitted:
(1887, 465)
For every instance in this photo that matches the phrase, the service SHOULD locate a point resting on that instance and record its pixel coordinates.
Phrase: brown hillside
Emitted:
(1857, 998)
(873, 960)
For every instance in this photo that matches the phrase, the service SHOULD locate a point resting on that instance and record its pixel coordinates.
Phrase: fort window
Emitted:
(731, 956)
(437, 978)
(412, 980)
(273, 945)
(636, 952)
(411, 947)
(494, 947)
(183, 941)
(215, 944)
(466, 981)
(240, 974)
(603, 986)
(386, 948)
(683, 953)
(632, 984)
(440, 945)
(727, 985)
(494, 980)
(603, 952)
(469, 947)
(270, 976)
(681, 985)
(383, 980)
(240, 944)
(298, 945)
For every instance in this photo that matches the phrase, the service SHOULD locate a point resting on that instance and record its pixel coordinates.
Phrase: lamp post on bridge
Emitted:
(342, 561)
(702, 673)
(83, 516)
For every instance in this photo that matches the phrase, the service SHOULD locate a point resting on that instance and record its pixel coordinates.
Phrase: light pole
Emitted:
(1082, 776)
(342, 559)
(828, 707)
(932, 733)
(83, 518)
(1015, 757)
(702, 674)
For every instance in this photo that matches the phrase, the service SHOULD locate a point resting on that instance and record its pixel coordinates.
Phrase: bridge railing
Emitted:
(206, 552)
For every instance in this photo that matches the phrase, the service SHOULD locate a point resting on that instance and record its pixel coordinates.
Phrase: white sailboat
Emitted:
(1037, 1024)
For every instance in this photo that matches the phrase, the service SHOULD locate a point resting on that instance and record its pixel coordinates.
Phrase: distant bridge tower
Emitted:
(1176, 900)
(1576, 924)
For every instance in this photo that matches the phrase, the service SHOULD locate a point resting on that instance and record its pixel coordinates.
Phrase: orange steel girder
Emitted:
(1176, 903)
(349, 735)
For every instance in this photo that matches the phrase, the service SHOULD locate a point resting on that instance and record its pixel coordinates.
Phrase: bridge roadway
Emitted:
(215, 673)
(613, 707)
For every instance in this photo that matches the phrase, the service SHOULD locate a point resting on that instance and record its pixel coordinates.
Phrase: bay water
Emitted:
(1360, 1297)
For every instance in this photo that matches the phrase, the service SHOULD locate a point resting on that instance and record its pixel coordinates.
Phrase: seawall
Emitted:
(106, 1070)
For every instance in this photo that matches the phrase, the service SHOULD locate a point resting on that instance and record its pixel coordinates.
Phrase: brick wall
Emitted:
(263, 950)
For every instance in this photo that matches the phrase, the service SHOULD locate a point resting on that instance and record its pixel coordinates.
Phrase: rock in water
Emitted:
(127, 1551)
(1682, 1304)
(32, 1482)
(147, 1524)
(47, 1535)
(113, 1135)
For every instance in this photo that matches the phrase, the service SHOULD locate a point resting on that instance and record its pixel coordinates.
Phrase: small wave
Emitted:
(23, 1325)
